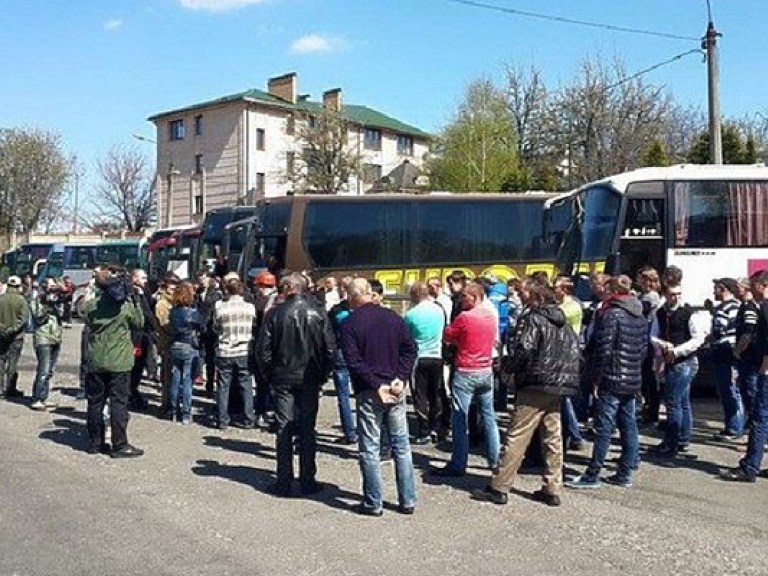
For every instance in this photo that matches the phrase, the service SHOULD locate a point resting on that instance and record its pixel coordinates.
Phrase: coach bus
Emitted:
(25, 259)
(76, 260)
(130, 253)
(401, 238)
(710, 221)
(210, 253)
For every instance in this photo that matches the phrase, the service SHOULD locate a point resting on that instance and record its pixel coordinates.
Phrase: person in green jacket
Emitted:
(47, 313)
(14, 315)
(110, 317)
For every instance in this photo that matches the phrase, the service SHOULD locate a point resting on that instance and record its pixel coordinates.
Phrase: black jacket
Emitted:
(545, 352)
(295, 344)
(620, 343)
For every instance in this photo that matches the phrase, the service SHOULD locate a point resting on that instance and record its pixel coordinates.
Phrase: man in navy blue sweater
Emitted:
(380, 355)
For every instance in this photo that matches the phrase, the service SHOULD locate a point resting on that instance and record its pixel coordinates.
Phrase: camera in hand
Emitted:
(115, 283)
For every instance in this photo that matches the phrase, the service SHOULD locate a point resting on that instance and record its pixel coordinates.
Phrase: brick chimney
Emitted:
(283, 87)
(332, 100)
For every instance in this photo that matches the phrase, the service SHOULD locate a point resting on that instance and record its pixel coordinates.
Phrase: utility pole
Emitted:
(709, 43)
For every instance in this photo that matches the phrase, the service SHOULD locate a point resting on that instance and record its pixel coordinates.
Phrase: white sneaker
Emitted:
(50, 404)
(37, 405)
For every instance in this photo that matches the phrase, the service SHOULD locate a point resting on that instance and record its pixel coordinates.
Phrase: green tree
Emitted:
(655, 155)
(734, 148)
(33, 176)
(477, 150)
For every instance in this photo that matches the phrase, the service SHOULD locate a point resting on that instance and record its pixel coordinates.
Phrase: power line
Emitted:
(564, 20)
(654, 67)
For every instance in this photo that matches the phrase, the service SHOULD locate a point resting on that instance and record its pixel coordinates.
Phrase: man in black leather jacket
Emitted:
(545, 362)
(620, 343)
(294, 350)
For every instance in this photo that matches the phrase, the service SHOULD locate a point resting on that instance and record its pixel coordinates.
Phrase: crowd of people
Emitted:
(464, 350)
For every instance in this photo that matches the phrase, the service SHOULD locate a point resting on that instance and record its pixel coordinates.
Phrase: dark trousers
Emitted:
(208, 348)
(139, 364)
(234, 373)
(650, 389)
(98, 387)
(296, 415)
(9, 361)
(427, 396)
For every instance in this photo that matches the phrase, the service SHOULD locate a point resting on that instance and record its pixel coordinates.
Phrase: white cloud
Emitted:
(113, 24)
(217, 5)
(316, 44)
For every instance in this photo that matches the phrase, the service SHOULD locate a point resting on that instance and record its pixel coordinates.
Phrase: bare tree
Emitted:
(124, 195)
(327, 159)
(33, 175)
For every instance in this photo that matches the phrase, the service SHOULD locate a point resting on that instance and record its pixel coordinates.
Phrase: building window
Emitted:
(199, 125)
(261, 182)
(405, 145)
(198, 163)
(372, 139)
(371, 173)
(290, 163)
(260, 139)
(290, 125)
(198, 206)
(176, 130)
(312, 121)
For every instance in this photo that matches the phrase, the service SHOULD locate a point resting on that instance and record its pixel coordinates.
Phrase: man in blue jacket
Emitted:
(620, 342)
(380, 354)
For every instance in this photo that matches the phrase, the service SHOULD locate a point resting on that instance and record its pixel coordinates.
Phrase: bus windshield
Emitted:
(127, 254)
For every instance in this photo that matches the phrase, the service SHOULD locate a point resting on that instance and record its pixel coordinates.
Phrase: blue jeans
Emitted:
(231, 372)
(748, 389)
(571, 432)
(730, 398)
(47, 358)
(611, 410)
(371, 416)
(758, 435)
(341, 383)
(677, 399)
(182, 360)
(468, 385)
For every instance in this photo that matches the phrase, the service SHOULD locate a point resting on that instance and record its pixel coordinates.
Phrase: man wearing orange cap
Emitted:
(264, 295)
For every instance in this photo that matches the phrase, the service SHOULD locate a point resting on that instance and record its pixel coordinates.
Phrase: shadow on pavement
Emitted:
(68, 433)
(244, 446)
(262, 480)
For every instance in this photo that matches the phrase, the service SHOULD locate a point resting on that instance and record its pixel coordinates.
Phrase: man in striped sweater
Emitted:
(722, 340)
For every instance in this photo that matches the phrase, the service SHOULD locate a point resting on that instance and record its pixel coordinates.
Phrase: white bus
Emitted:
(710, 221)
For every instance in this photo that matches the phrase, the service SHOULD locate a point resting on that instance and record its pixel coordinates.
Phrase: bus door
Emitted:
(644, 228)
(263, 252)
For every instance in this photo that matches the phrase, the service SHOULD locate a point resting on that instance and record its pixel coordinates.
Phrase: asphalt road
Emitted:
(197, 503)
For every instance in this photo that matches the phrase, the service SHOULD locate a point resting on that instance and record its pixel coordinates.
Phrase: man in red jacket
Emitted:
(473, 332)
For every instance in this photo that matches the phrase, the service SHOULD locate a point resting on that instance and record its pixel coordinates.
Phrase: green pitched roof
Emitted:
(354, 112)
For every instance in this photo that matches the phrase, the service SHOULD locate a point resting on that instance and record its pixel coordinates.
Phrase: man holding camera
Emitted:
(47, 315)
(111, 316)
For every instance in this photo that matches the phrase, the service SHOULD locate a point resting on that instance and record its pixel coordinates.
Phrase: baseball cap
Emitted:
(265, 278)
(729, 283)
(14, 281)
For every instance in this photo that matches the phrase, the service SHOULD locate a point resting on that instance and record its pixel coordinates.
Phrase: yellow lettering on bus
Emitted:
(548, 268)
(411, 276)
(501, 271)
(390, 279)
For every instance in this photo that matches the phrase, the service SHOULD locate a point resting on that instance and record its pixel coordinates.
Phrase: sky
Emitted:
(94, 70)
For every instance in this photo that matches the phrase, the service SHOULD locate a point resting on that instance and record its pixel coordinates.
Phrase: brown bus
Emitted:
(400, 238)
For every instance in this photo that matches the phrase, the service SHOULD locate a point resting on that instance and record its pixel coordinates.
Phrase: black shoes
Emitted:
(280, 490)
(546, 498)
(364, 510)
(737, 475)
(407, 510)
(127, 451)
(344, 441)
(488, 494)
(103, 448)
(446, 472)
(421, 440)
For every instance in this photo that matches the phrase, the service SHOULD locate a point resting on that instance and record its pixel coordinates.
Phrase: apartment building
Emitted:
(235, 149)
